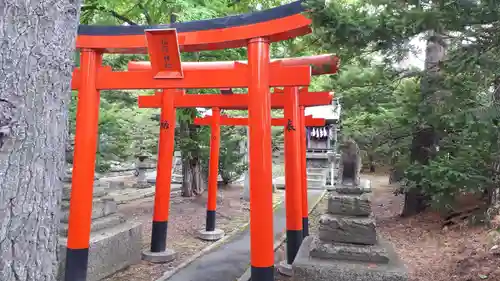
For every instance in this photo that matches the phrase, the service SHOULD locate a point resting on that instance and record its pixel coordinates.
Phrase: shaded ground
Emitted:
(187, 216)
(431, 252)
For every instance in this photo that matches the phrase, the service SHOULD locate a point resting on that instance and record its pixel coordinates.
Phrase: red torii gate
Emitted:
(179, 99)
(294, 189)
(92, 77)
(163, 44)
(289, 99)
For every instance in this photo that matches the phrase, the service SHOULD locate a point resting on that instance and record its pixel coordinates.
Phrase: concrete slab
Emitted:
(111, 250)
(307, 268)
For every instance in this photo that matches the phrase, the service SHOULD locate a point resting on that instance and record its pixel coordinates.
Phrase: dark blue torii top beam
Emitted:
(200, 25)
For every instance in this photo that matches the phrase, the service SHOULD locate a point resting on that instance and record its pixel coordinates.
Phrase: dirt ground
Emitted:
(431, 252)
(187, 216)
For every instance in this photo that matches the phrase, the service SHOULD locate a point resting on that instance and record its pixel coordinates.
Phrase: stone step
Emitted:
(316, 183)
(349, 252)
(101, 207)
(134, 194)
(97, 224)
(349, 205)
(316, 176)
(98, 191)
(317, 170)
(342, 229)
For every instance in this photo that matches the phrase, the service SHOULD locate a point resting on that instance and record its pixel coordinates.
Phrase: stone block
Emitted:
(141, 185)
(101, 207)
(98, 191)
(314, 183)
(350, 205)
(316, 176)
(97, 224)
(111, 250)
(355, 230)
(130, 194)
(363, 187)
(317, 170)
(349, 252)
(307, 268)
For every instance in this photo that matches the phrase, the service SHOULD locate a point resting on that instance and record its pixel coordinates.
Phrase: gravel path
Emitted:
(187, 216)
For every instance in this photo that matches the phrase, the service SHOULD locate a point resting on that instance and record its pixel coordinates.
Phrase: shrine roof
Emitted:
(328, 112)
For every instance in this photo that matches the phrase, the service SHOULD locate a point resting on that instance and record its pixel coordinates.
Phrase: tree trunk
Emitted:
(425, 139)
(372, 162)
(192, 179)
(192, 182)
(35, 74)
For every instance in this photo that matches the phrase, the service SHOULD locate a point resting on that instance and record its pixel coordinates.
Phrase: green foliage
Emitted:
(123, 130)
(232, 162)
(385, 107)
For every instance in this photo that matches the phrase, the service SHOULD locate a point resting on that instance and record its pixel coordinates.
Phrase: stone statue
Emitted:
(350, 163)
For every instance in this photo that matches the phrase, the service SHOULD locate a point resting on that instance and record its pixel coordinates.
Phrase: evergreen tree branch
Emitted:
(96, 7)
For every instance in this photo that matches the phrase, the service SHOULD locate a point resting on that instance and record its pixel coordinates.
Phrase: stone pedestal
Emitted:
(159, 257)
(347, 247)
(115, 243)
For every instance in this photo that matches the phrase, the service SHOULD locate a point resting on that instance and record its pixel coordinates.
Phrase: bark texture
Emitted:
(36, 59)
